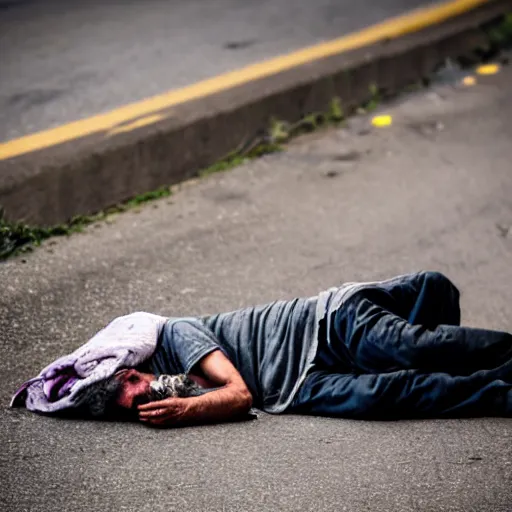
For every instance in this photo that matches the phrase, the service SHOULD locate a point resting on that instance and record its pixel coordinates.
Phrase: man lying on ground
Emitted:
(383, 350)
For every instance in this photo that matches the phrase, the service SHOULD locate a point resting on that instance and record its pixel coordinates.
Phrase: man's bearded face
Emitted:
(139, 388)
(168, 386)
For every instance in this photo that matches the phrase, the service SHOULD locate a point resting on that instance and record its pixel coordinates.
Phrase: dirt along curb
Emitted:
(90, 173)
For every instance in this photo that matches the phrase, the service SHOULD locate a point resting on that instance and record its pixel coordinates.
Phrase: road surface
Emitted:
(432, 191)
(62, 61)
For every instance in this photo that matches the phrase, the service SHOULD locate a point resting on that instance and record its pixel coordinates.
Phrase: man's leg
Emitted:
(378, 340)
(405, 394)
(424, 298)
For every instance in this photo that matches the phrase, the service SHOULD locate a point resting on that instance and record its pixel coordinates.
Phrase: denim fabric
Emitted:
(396, 350)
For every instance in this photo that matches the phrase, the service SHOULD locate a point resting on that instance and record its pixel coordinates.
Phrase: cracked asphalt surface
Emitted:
(432, 191)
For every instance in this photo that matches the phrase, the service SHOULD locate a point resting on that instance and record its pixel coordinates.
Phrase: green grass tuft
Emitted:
(501, 34)
(375, 98)
(335, 113)
(18, 237)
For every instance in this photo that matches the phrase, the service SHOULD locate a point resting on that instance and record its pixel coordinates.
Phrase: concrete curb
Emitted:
(90, 174)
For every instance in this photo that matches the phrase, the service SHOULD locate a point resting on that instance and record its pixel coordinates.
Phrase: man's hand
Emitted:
(167, 412)
(232, 400)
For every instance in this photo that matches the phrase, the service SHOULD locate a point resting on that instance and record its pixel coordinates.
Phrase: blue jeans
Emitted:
(397, 351)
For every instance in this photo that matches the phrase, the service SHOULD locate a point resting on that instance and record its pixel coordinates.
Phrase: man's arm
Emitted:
(232, 400)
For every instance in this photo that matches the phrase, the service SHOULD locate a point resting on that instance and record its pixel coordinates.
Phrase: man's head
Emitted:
(134, 388)
(116, 397)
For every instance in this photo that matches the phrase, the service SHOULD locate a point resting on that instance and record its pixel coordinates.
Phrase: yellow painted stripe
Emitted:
(143, 121)
(389, 29)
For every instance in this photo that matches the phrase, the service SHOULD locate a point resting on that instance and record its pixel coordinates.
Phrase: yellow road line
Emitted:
(388, 29)
(143, 121)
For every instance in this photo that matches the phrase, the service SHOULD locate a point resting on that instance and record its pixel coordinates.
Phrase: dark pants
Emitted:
(397, 351)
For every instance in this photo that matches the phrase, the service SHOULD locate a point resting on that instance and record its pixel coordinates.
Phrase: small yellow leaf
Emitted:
(468, 81)
(488, 69)
(382, 121)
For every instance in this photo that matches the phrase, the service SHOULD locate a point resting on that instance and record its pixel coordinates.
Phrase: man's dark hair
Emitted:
(99, 401)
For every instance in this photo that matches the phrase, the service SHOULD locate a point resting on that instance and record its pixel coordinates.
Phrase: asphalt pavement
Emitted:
(62, 61)
(431, 191)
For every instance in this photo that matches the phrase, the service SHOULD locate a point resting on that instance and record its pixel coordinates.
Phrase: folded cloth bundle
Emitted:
(124, 343)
